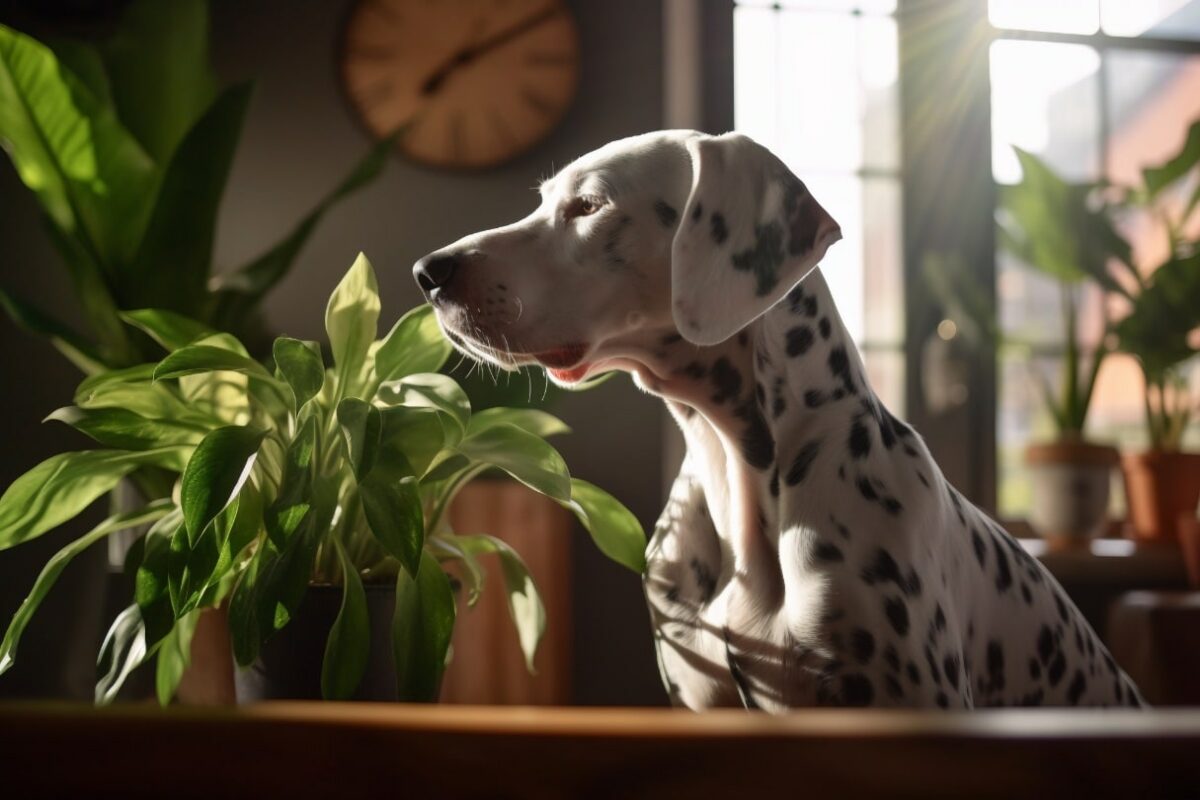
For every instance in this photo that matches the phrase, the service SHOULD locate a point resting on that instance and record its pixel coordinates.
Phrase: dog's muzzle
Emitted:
(435, 272)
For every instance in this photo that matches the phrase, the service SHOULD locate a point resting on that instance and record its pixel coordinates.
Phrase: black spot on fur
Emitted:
(665, 213)
(862, 645)
(860, 439)
(824, 327)
(839, 365)
(891, 658)
(897, 613)
(706, 581)
(695, 370)
(950, 668)
(1026, 595)
(1077, 687)
(935, 672)
(883, 569)
(1035, 669)
(726, 379)
(827, 551)
(758, 446)
(1061, 605)
(810, 306)
(857, 690)
(814, 398)
(1045, 644)
(799, 340)
(942, 700)
(995, 665)
(717, 225)
(802, 462)
(697, 212)
(866, 489)
(671, 338)
(1057, 667)
(914, 674)
(980, 547)
(894, 689)
(775, 482)
(1004, 577)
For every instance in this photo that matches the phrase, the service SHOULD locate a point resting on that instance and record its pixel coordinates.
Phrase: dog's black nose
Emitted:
(435, 270)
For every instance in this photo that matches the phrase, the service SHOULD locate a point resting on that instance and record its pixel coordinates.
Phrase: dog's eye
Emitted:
(582, 207)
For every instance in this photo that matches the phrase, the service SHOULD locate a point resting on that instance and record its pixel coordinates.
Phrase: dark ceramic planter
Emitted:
(289, 665)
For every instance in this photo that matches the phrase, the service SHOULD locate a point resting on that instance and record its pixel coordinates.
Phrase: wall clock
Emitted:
(473, 82)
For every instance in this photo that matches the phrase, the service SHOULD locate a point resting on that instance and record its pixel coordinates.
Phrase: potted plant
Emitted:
(1162, 483)
(126, 145)
(1064, 232)
(297, 481)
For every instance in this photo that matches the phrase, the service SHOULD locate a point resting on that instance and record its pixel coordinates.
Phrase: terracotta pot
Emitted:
(1160, 488)
(1071, 480)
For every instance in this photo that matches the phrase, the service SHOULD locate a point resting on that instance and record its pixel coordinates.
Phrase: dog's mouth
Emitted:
(566, 364)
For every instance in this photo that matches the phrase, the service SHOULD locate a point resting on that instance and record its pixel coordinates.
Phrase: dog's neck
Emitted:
(795, 366)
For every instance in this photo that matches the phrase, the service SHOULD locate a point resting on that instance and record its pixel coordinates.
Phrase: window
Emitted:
(1095, 107)
(816, 81)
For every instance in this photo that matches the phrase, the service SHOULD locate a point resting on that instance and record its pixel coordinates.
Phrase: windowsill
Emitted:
(1113, 562)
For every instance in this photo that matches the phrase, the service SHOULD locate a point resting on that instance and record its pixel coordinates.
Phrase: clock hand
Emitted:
(470, 53)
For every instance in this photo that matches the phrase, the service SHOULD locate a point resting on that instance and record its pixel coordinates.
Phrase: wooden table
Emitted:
(346, 750)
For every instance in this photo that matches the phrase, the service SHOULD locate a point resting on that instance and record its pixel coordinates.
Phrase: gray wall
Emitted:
(300, 139)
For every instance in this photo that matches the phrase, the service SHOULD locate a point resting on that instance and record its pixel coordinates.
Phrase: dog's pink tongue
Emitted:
(564, 362)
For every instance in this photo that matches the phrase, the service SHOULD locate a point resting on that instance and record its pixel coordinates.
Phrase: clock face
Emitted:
(473, 82)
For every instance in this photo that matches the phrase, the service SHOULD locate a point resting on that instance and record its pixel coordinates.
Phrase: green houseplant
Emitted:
(127, 147)
(1063, 231)
(1163, 483)
(294, 475)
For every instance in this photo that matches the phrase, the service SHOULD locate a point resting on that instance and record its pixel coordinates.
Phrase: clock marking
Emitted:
(536, 101)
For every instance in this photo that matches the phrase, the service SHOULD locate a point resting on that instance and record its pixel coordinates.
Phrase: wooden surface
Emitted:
(343, 750)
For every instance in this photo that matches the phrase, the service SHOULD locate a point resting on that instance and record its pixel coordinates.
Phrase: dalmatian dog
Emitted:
(811, 552)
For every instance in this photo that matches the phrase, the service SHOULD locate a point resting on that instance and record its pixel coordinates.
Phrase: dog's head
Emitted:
(664, 233)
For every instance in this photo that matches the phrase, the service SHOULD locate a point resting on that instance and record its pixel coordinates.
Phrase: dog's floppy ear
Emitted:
(749, 233)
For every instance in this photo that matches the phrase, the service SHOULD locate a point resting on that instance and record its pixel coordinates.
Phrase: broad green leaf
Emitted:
(169, 329)
(196, 358)
(1049, 224)
(430, 390)
(90, 175)
(65, 484)
(240, 291)
(245, 634)
(174, 655)
(524, 602)
(392, 507)
(351, 320)
(415, 344)
(90, 279)
(215, 473)
(161, 78)
(522, 455)
(1165, 313)
(131, 389)
(447, 464)
(293, 501)
(33, 320)
(1160, 177)
(59, 561)
(417, 433)
(447, 547)
(300, 365)
(614, 529)
(421, 629)
(172, 264)
(284, 574)
(123, 649)
(349, 642)
(361, 426)
(151, 586)
(194, 571)
(125, 430)
(531, 420)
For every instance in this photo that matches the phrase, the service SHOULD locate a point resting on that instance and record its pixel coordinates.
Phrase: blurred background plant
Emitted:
(127, 146)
